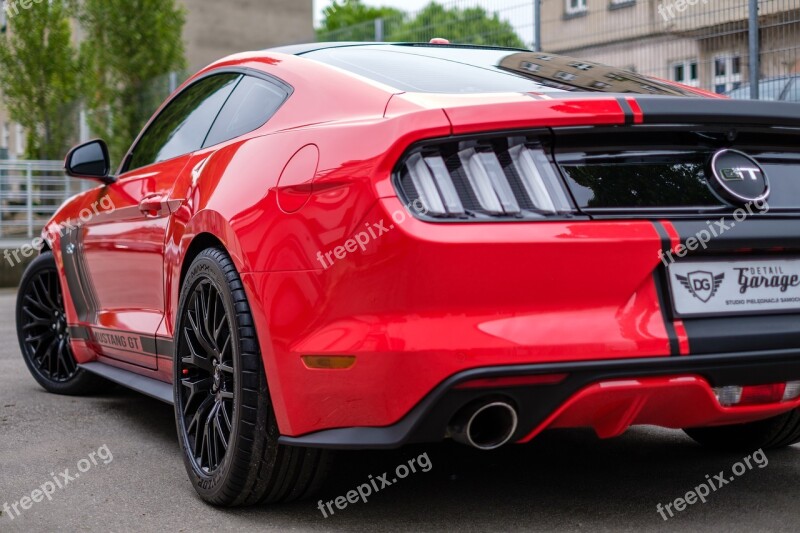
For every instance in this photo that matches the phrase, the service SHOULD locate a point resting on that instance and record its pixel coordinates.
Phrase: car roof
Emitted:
(300, 49)
(546, 76)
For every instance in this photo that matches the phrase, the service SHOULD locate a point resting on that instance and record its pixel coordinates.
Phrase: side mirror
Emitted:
(90, 161)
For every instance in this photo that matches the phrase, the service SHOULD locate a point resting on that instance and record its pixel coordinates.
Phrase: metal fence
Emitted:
(717, 45)
(30, 192)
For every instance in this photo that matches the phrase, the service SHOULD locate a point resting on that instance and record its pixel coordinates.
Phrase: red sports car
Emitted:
(356, 245)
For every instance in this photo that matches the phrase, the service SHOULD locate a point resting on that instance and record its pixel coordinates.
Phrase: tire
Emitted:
(226, 425)
(44, 335)
(777, 432)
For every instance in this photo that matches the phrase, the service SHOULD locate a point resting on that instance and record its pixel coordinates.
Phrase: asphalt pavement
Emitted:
(130, 476)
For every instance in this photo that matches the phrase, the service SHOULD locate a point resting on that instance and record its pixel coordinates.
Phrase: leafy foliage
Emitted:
(353, 21)
(39, 77)
(129, 44)
(468, 26)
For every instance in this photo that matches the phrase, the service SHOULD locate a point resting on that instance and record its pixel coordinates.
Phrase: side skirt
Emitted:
(148, 386)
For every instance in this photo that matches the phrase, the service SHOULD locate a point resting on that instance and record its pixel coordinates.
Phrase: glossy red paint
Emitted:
(490, 319)
(611, 407)
(415, 306)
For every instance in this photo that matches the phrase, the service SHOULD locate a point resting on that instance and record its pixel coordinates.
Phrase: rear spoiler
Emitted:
(502, 112)
(676, 110)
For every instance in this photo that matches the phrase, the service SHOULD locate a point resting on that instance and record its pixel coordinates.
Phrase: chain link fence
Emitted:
(717, 45)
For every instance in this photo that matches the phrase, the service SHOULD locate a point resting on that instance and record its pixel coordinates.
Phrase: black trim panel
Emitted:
(148, 386)
(708, 335)
(75, 271)
(761, 233)
(677, 110)
(427, 422)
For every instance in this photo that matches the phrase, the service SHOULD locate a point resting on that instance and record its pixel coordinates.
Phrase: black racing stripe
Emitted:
(660, 278)
(148, 345)
(165, 347)
(627, 110)
(79, 333)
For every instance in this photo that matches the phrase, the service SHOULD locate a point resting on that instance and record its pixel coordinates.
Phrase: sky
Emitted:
(518, 12)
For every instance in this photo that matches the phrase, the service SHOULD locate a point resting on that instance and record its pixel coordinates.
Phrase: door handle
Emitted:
(154, 205)
(158, 205)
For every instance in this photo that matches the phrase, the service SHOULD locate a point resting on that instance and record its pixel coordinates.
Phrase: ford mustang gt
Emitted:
(360, 246)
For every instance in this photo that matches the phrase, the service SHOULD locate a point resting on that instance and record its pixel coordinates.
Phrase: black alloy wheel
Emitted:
(207, 377)
(226, 425)
(43, 332)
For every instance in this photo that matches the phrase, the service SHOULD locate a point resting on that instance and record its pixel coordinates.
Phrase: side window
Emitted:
(250, 106)
(183, 125)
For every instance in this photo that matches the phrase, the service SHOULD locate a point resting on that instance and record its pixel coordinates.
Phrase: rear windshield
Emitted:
(445, 69)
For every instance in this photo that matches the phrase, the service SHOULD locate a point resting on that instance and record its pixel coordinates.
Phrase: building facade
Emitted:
(213, 30)
(703, 43)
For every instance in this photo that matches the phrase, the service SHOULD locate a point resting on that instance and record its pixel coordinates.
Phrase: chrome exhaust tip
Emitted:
(485, 425)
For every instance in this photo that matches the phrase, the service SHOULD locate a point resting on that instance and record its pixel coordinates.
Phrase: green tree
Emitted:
(459, 25)
(351, 20)
(130, 47)
(39, 75)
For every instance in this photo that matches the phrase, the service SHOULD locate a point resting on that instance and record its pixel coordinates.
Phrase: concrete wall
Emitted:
(603, 21)
(216, 29)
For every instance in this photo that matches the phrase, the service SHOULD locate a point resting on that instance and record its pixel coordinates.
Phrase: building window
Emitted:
(20, 148)
(686, 72)
(616, 4)
(5, 136)
(575, 7)
(727, 73)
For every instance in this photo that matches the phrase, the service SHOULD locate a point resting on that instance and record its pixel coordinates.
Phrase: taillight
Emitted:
(761, 394)
(501, 178)
(792, 391)
(735, 395)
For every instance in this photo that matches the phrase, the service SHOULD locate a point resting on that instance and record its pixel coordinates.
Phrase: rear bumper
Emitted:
(609, 396)
(421, 304)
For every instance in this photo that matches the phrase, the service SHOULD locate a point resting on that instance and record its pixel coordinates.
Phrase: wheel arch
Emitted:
(187, 239)
(204, 241)
(200, 242)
